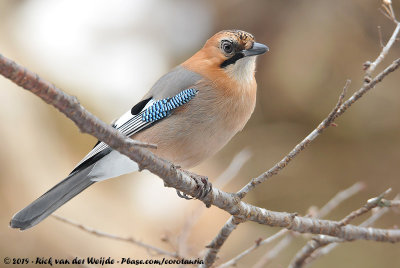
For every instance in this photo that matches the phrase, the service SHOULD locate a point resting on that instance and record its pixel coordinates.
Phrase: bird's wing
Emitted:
(158, 104)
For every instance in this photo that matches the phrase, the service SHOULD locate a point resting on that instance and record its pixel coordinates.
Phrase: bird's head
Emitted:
(231, 46)
(229, 53)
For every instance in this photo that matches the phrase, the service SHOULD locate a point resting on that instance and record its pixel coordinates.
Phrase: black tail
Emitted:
(54, 198)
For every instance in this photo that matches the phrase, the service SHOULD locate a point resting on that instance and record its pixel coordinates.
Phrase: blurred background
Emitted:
(109, 54)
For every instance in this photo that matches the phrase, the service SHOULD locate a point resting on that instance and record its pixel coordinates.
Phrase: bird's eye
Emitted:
(227, 47)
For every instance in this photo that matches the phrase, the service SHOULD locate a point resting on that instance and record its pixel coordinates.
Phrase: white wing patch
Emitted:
(127, 124)
(123, 119)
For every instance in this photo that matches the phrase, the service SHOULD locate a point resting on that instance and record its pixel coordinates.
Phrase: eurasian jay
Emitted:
(190, 114)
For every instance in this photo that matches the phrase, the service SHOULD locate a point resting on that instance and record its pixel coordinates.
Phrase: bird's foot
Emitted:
(183, 195)
(203, 185)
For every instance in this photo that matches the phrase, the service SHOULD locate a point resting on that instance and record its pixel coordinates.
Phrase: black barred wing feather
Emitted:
(141, 116)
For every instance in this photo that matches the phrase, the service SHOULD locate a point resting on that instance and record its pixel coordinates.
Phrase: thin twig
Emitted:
(339, 109)
(390, 203)
(387, 5)
(321, 241)
(339, 198)
(130, 240)
(256, 245)
(297, 149)
(302, 145)
(178, 179)
(325, 210)
(389, 44)
(321, 127)
(270, 255)
(219, 240)
(364, 89)
(234, 167)
(380, 36)
(372, 203)
(226, 176)
(368, 222)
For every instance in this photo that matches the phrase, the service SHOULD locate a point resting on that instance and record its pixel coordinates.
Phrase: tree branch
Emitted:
(339, 198)
(335, 113)
(321, 241)
(219, 240)
(338, 110)
(271, 254)
(368, 222)
(370, 67)
(130, 240)
(226, 176)
(256, 245)
(176, 178)
(327, 208)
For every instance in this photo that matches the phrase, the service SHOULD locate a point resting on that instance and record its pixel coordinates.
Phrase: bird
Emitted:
(190, 113)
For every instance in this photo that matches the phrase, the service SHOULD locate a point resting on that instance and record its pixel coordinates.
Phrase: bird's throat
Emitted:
(242, 70)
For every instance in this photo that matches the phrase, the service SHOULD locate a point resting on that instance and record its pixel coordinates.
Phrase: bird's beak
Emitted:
(257, 49)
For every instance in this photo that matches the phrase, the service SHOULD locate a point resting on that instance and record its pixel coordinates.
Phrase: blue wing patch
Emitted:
(134, 121)
(162, 108)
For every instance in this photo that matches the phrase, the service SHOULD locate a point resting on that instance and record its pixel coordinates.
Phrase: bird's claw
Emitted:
(183, 195)
(203, 185)
(205, 189)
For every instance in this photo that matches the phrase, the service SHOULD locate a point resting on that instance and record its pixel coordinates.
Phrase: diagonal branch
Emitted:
(130, 240)
(297, 149)
(229, 173)
(256, 245)
(338, 110)
(176, 178)
(321, 241)
(271, 254)
(371, 203)
(339, 198)
(370, 66)
(179, 180)
(327, 208)
(219, 240)
(333, 242)
(335, 113)
(364, 89)
(90, 124)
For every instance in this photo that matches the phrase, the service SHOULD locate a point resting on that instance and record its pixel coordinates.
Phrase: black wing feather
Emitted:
(143, 115)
